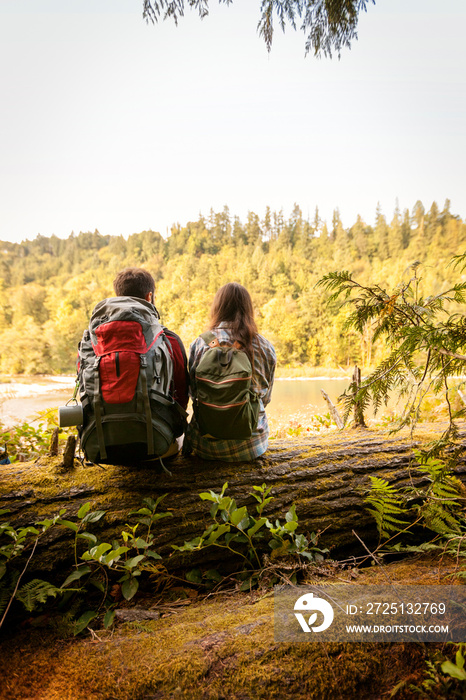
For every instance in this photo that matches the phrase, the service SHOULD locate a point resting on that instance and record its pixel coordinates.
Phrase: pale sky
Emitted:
(109, 123)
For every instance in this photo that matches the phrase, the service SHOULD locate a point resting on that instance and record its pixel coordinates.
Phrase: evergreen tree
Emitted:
(395, 234)
(381, 235)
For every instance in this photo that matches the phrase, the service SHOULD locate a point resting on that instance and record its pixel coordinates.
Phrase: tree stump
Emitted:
(53, 450)
(68, 455)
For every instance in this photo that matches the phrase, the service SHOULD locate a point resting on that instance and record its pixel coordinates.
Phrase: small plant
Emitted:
(323, 420)
(25, 441)
(435, 506)
(127, 557)
(294, 429)
(236, 530)
(456, 670)
(443, 678)
(385, 504)
(114, 568)
(14, 543)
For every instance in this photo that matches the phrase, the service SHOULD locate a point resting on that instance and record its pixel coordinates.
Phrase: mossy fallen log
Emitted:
(326, 477)
(219, 647)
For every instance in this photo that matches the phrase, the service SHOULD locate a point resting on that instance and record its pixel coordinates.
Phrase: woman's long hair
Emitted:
(232, 305)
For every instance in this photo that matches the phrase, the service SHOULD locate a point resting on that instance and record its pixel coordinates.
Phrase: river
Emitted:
(292, 399)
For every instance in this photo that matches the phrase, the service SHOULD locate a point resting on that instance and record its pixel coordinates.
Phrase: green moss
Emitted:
(213, 649)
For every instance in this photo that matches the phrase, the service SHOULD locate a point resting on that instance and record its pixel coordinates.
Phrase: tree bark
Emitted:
(359, 421)
(68, 454)
(326, 477)
(333, 410)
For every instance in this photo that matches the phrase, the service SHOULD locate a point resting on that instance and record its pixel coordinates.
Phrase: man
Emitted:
(137, 282)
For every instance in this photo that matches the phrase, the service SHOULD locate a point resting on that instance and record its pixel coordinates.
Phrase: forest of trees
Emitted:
(50, 285)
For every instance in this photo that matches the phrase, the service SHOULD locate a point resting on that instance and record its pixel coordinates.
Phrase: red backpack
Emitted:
(125, 376)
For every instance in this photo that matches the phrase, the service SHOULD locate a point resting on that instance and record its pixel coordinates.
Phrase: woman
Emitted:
(232, 321)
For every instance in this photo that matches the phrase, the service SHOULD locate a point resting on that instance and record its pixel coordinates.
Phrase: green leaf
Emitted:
(227, 503)
(134, 561)
(244, 523)
(237, 515)
(257, 526)
(85, 508)
(211, 496)
(291, 525)
(310, 556)
(30, 530)
(153, 555)
(97, 552)
(158, 516)
(194, 576)
(114, 554)
(70, 525)
(213, 575)
(141, 511)
(216, 533)
(82, 622)
(301, 542)
(291, 515)
(450, 669)
(77, 574)
(109, 618)
(248, 584)
(129, 588)
(189, 546)
(94, 517)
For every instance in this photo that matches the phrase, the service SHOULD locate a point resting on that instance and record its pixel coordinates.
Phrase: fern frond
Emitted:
(36, 593)
(438, 519)
(5, 595)
(385, 505)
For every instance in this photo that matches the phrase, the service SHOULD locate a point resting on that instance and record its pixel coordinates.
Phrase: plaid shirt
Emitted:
(263, 372)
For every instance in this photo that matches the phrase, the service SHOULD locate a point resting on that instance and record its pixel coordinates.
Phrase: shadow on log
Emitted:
(326, 477)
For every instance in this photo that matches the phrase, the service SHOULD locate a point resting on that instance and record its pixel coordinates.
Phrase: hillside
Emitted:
(50, 285)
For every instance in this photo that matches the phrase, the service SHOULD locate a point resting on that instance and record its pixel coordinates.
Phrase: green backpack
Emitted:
(226, 407)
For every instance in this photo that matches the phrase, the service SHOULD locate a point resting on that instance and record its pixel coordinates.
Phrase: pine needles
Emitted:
(425, 337)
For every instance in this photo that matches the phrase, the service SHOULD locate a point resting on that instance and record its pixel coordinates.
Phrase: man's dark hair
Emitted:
(134, 282)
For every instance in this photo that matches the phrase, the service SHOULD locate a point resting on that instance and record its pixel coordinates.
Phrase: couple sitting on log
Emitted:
(135, 380)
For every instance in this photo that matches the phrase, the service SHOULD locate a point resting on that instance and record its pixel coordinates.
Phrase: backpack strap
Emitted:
(98, 410)
(145, 396)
